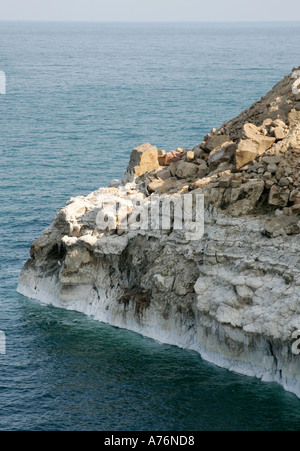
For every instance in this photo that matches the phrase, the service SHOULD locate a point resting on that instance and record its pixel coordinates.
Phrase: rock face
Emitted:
(233, 295)
(143, 159)
(254, 144)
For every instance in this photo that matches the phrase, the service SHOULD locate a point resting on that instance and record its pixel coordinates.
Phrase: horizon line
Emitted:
(150, 21)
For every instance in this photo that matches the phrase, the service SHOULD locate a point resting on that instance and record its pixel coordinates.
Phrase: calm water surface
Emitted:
(79, 98)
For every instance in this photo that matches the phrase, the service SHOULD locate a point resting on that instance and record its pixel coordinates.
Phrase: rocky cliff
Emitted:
(232, 295)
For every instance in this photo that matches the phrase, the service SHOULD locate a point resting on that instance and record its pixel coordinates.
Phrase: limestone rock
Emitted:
(161, 154)
(279, 133)
(190, 156)
(226, 180)
(173, 157)
(186, 170)
(233, 295)
(253, 145)
(274, 159)
(154, 185)
(294, 118)
(283, 225)
(224, 153)
(245, 198)
(217, 141)
(143, 159)
(279, 196)
(163, 174)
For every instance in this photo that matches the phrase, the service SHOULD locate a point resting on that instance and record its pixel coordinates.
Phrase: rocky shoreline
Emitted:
(233, 295)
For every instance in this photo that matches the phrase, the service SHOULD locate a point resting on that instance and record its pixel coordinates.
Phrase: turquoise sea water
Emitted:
(79, 98)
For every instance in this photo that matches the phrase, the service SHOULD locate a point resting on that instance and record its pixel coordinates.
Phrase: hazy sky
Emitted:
(150, 10)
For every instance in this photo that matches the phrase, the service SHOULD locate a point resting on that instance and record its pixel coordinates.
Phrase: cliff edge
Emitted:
(232, 294)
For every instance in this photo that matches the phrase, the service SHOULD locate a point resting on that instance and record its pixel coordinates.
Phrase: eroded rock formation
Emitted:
(232, 295)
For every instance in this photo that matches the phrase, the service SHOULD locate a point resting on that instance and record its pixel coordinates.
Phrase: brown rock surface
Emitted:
(251, 164)
(143, 159)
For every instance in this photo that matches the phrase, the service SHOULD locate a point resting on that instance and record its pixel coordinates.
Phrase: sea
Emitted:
(79, 97)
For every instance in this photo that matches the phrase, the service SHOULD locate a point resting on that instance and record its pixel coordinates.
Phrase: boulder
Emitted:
(279, 133)
(202, 172)
(279, 196)
(161, 157)
(190, 156)
(245, 198)
(282, 225)
(154, 185)
(225, 180)
(186, 170)
(250, 131)
(143, 159)
(216, 141)
(198, 152)
(164, 174)
(201, 183)
(221, 154)
(294, 118)
(159, 186)
(252, 145)
(173, 157)
(279, 123)
(271, 159)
